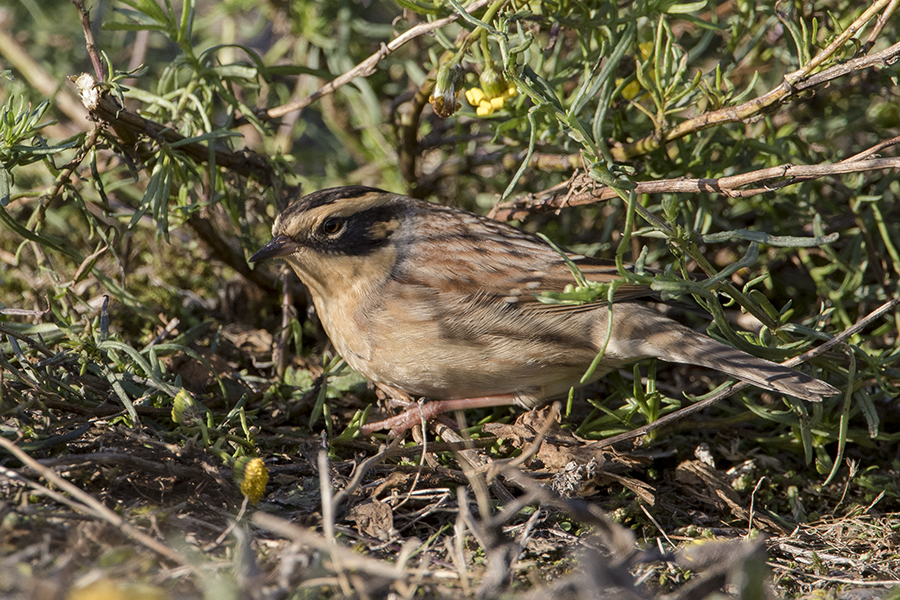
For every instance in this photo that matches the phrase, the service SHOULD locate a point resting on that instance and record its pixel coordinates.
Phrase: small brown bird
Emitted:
(442, 303)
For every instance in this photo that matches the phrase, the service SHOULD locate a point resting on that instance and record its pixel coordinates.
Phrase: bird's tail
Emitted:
(641, 331)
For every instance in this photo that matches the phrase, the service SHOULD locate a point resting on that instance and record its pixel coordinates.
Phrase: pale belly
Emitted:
(487, 351)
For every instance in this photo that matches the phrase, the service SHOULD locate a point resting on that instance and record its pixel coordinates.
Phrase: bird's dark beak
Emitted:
(279, 246)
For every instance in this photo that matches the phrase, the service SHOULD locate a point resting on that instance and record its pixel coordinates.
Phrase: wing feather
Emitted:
(480, 257)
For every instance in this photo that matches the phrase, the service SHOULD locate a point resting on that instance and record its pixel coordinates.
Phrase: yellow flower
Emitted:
(630, 91)
(484, 104)
(251, 474)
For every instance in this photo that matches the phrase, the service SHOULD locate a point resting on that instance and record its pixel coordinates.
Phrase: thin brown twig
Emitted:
(367, 67)
(837, 42)
(874, 149)
(699, 406)
(472, 457)
(883, 18)
(885, 57)
(69, 168)
(89, 40)
(30, 341)
(363, 469)
(103, 107)
(592, 191)
(124, 460)
(844, 580)
(15, 476)
(349, 559)
(750, 511)
(409, 150)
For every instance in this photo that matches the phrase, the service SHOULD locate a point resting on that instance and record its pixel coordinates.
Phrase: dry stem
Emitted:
(583, 190)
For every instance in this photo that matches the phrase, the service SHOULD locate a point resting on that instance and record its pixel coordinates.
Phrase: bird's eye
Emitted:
(333, 225)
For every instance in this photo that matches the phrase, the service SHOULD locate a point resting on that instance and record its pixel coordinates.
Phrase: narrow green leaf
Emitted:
(680, 9)
(116, 26)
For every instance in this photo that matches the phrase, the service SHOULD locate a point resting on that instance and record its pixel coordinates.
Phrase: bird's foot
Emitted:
(417, 413)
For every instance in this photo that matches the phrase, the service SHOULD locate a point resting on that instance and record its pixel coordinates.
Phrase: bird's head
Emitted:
(338, 237)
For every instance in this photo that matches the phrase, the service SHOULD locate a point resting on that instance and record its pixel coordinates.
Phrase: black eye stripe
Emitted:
(356, 234)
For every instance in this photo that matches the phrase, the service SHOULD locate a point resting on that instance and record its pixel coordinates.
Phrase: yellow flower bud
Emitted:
(474, 96)
(251, 474)
(485, 109)
(186, 410)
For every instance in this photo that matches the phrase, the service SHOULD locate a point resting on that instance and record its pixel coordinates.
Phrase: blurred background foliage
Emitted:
(582, 90)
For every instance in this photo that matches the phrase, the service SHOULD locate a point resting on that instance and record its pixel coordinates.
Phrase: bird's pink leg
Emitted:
(427, 411)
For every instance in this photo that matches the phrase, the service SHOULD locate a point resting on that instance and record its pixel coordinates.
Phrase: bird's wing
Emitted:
(484, 258)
